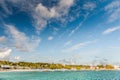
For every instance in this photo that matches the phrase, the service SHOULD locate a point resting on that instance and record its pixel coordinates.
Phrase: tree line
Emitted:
(31, 65)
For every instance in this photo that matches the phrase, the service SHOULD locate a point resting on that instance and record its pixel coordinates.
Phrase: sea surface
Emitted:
(61, 75)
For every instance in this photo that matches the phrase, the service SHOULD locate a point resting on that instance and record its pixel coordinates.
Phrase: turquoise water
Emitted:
(67, 75)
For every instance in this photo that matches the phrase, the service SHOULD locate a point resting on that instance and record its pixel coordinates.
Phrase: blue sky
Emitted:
(60, 31)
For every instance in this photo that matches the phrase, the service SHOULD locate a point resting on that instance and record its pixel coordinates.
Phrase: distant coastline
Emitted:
(51, 70)
(7, 66)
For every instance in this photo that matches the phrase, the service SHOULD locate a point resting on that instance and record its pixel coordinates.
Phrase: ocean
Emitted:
(61, 75)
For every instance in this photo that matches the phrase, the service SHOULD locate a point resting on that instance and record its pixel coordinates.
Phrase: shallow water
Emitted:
(59, 75)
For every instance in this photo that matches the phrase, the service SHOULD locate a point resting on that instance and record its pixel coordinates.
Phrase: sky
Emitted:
(60, 31)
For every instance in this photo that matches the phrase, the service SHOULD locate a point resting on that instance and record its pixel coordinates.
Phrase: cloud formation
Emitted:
(78, 46)
(113, 9)
(80, 24)
(6, 9)
(2, 38)
(5, 54)
(89, 6)
(50, 38)
(42, 13)
(20, 41)
(16, 58)
(110, 30)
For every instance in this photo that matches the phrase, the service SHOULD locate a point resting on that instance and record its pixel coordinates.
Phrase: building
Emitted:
(6, 67)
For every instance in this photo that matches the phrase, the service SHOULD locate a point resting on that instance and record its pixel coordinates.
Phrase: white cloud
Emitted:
(42, 13)
(5, 54)
(113, 9)
(16, 58)
(89, 6)
(114, 16)
(110, 30)
(114, 4)
(2, 38)
(20, 41)
(78, 46)
(50, 38)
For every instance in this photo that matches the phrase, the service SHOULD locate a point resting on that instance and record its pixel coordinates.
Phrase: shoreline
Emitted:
(50, 70)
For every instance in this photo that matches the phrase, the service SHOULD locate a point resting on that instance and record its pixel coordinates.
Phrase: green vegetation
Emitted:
(30, 65)
(109, 66)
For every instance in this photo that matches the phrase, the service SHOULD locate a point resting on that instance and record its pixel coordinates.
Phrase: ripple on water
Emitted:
(67, 75)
